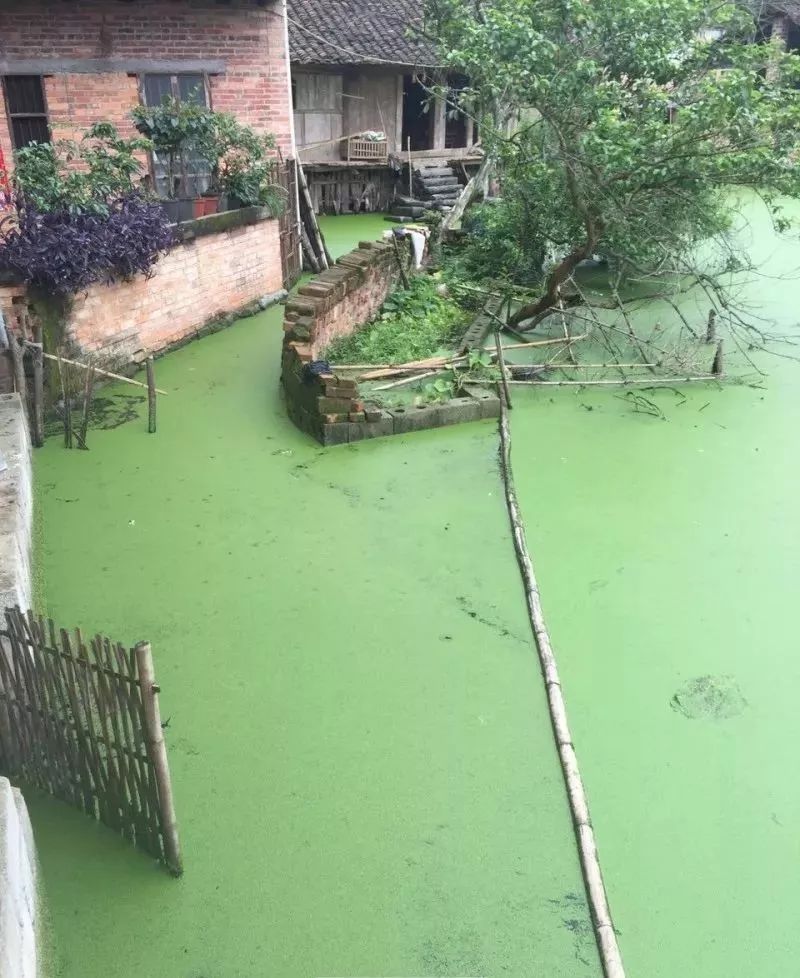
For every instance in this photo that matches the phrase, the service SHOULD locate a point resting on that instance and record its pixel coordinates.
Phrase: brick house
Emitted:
(65, 64)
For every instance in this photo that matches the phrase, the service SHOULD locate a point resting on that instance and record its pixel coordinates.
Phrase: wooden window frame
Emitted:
(10, 116)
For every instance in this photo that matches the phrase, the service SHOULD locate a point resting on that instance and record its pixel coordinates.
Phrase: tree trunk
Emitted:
(558, 276)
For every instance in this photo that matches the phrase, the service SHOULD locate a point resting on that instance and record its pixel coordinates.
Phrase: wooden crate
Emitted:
(367, 149)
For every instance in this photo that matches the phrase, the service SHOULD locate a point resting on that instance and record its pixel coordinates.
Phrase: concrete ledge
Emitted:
(16, 505)
(18, 896)
(187, 231)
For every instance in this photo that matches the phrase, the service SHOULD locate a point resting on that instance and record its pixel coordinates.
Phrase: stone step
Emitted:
(441, 184)
(409, 201)
(403, 210)
(434, 171)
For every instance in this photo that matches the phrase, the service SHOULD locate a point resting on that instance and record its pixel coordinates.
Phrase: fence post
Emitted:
(151, 396)
(157, 751)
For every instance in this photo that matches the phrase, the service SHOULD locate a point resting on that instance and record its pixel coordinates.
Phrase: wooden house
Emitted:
(361, 88)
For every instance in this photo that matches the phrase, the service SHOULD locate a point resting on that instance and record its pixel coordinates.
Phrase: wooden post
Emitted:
(67, 407)
(87, 400)
(157, 752)
(38, 394)
(403, 275)
(151, 396)
(711, 326)
(17, 348)
(308, 251)
(410, 171)
(717, 368)
(502, 365)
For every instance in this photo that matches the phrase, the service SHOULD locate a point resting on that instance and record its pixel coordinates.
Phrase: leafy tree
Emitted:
(621, 126)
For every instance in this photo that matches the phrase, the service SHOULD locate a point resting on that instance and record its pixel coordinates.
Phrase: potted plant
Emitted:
(175, 129)
(244, 169)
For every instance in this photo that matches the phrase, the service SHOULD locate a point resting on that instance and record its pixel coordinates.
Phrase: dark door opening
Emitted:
(455, 131)
(417, 119)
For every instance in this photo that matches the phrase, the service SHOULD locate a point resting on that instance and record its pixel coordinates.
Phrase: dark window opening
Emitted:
(185, 88)
(27, 110)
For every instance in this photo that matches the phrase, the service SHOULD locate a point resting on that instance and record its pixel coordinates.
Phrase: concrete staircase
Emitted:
(437, 183)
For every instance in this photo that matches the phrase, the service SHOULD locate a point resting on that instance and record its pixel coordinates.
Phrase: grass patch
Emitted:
(413, 323)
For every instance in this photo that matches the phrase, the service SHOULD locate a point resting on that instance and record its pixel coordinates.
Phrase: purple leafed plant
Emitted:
(65, 253)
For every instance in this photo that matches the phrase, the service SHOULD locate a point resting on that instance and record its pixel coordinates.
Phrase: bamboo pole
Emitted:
(151, 396)
(67, 407)
(406, 380)
(605, 935)
(97, 370)
(621, 382)
(87, 401)
(311, 220)
(38, 394)
(157, 752)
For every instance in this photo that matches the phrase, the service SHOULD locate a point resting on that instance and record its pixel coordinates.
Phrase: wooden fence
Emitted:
(81, 721)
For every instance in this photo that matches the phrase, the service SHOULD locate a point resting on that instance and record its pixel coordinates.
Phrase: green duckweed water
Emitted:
(364, 771)
(363, 765)
(668, 553)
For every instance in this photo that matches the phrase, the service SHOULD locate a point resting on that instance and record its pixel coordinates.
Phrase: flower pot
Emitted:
(211, 203)
(198, 207)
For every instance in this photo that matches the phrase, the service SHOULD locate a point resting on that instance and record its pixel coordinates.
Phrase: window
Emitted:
(27, 111)
(186, 88)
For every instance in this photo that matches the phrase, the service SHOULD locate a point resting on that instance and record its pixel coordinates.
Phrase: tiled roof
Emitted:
(357, 32)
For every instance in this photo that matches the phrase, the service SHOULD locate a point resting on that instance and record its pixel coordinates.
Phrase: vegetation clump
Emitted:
(414, 323)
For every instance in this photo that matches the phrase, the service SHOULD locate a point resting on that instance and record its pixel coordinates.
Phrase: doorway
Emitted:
(417, 118)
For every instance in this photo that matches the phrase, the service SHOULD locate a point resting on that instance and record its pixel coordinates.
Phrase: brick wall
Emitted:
(217, 273)
(249, 39)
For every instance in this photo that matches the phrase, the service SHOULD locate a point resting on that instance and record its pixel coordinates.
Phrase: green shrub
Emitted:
(414, 323)
(503, 243)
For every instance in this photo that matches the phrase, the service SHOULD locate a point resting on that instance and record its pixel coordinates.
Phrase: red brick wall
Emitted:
(340, 299)
(214, 275)
(248, 38)
(211, 276)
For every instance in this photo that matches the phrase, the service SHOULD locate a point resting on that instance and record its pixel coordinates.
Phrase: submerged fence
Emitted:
(81, 721)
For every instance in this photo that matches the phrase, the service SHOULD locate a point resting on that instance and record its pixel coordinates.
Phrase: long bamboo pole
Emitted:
(605, 935)
(157, 752)
(621, 382)
(97, 370)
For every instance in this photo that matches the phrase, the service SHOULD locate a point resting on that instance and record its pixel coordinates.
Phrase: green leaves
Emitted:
(47, 177)
(414, 323)
(633, 120)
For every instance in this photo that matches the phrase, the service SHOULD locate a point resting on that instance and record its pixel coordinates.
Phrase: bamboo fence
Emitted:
(80, 720)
